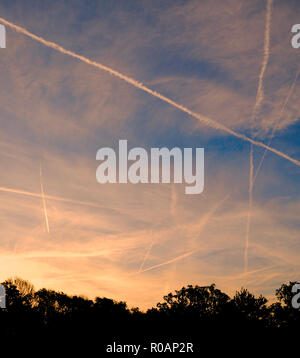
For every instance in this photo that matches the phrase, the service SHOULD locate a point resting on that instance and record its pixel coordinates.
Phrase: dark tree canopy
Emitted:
(192, 313)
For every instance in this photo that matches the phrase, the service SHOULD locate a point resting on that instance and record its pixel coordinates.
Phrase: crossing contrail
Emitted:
(199, 228)
(274, 129)
(44, 201)
(205, 120)
(145, 257)
(177, 258)
(260, 89)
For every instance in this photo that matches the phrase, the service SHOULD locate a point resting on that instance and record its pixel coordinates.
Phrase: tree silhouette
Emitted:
(250, 309)
(204, 301)
(197, 313)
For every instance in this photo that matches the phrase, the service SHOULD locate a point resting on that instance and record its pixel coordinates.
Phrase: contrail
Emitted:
(44, 201)
(258, 101)
(171, 261)
(51, 197)
(260, 89)
(200, 228)
(205, 120)
(290, 92)
(249, 210)
(67, 254)
(145, 257)
(172, 212)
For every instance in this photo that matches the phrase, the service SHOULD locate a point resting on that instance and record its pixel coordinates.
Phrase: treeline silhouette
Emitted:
(203, 315)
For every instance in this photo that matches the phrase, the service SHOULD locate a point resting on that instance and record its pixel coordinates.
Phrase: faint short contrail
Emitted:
(51, 197)
(174, 200)
(249, 210)
(198, 228)
(53, 253)
(260, 89)
(44, 201)
(180, 257)
(205, 120)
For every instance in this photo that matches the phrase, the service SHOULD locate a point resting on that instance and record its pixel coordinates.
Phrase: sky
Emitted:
(230, 61)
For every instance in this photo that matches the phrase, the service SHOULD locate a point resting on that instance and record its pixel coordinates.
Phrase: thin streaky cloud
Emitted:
(205, 120)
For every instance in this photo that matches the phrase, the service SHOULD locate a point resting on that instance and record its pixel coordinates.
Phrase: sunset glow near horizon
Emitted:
(230, 65)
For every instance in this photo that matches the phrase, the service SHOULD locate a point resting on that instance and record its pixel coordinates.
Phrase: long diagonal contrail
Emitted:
(205, 120)
(44, 201)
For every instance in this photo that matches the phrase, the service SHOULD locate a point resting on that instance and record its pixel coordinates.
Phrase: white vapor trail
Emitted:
(44, 201)
(249, 210)
(258, 102)
(260, 89)
(205, 120)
